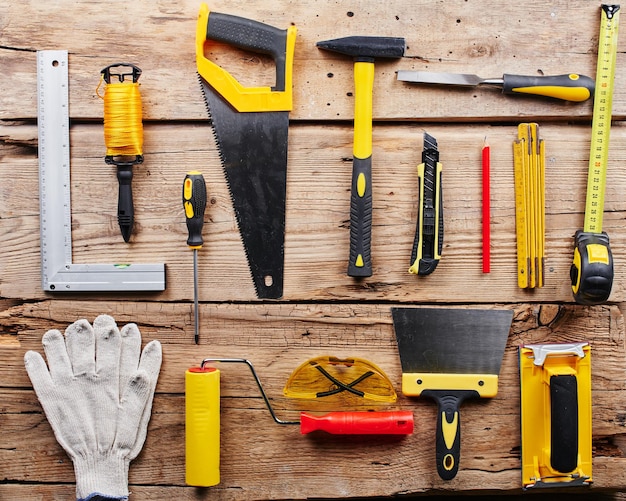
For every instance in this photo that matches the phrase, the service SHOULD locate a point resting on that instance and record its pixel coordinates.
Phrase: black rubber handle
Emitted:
(125, 208)
(194, 204)
(569, 87)
(448, 439)
(564, 423)
(253, 36)
(360, 264)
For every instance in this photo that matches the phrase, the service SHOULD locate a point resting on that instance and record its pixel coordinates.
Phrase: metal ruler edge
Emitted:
(58, 274)
(601, 120)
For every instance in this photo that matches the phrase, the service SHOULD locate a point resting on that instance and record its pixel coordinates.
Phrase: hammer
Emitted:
(364, 50)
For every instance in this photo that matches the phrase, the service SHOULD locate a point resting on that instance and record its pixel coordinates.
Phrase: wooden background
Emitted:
(323, 310)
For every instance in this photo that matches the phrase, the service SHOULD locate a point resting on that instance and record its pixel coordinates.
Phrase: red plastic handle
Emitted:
(359, 423)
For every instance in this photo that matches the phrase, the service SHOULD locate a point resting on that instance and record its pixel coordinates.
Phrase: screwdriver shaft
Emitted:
(195, 296)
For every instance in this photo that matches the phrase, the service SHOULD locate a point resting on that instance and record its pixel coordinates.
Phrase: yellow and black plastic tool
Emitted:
(591, 272)
(342, 378)
(450, 355)
(364, 50)
(569, 87)
(251, 126)
(428, 242)
(555, 382)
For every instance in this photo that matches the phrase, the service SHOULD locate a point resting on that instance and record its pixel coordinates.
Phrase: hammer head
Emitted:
(366, 48)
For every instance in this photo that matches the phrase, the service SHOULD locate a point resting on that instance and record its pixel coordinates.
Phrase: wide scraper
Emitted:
(450, 355)
(250, 125)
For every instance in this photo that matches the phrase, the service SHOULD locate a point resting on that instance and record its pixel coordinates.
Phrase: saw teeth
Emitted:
(202, 83)
(203, 86)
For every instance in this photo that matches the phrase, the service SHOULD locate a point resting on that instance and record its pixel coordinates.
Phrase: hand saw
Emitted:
(250, 126)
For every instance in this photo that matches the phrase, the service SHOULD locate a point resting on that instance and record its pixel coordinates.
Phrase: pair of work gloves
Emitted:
(97, 392)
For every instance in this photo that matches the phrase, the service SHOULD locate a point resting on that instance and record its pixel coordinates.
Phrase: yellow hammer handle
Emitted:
(359, 264)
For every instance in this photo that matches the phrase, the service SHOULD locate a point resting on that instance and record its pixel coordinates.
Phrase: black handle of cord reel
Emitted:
(121, 76)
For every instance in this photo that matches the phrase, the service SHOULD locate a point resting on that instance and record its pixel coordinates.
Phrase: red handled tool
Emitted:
(359, 423)
(338, 423)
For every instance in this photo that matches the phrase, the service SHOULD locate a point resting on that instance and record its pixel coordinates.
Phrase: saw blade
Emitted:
(253, 151)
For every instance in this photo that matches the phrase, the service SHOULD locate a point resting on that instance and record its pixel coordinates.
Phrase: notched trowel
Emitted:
(450, 355)
(250, 126)
(555, 382)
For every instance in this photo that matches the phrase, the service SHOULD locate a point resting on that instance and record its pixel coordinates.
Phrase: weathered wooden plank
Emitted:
(487, 37)
(277, 338)
(317, 226)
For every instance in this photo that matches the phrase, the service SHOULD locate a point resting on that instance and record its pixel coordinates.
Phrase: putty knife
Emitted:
(450, 355)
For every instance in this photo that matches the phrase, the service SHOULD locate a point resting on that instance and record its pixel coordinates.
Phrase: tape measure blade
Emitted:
(601, 121)
(54, 162)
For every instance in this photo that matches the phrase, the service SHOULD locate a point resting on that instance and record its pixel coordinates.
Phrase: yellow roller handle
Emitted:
(202, 426)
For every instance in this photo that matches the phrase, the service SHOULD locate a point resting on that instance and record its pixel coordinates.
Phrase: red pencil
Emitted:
(486, 208)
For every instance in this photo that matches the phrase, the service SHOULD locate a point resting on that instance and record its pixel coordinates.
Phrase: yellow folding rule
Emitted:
(530, 214)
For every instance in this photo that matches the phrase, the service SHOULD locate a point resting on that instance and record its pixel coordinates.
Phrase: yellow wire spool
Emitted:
(123, 119)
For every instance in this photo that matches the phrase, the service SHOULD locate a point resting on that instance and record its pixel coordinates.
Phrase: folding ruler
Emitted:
(57, 271)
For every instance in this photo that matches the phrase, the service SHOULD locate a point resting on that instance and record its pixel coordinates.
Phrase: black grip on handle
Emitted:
(425, 232)
(448, 452)
(195, 213)
(572, 80)
(125, 207)
(564, 423)
(360, 264)
(253, 36)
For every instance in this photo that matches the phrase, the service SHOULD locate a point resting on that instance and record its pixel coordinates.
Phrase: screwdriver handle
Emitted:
(570, 87)
(359, 423)
(194, 203)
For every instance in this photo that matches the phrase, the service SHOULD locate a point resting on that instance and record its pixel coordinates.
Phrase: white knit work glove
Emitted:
(97, 396)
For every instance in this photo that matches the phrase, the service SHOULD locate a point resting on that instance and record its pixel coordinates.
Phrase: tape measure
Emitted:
(57, 271)
(591, 272)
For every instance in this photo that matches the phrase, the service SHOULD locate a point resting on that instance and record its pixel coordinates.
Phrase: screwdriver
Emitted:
(194, 203)
(569, 87)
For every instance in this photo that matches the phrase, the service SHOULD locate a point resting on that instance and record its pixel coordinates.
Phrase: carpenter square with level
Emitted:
(250, 126)
(58, 273)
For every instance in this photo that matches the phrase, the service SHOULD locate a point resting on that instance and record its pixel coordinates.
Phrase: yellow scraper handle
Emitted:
(255, 37)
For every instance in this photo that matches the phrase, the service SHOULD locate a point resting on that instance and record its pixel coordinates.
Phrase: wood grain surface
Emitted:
(323, 311)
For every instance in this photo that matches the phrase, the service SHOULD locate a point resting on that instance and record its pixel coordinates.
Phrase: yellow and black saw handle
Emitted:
(252, 36)
(448, 438)
(360, 263)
